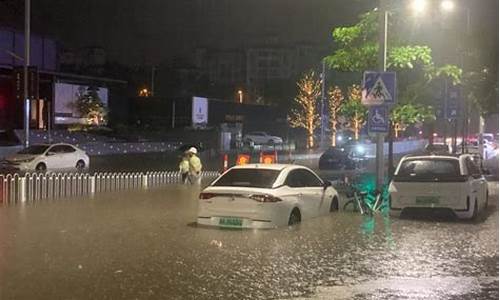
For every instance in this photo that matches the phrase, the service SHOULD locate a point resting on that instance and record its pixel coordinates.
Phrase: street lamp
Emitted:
(240, 95)
(447, 5)
(418, 6)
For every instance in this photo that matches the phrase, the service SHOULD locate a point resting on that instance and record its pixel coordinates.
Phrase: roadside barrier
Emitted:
(31, 188)
(225, 163)
(268, 158)
(243, 159)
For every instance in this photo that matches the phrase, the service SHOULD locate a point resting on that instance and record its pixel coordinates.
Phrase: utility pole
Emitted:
(323, 94)
(27, 19)
(382, 20)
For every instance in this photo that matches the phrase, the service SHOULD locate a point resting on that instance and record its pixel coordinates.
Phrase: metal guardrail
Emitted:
(31, 188)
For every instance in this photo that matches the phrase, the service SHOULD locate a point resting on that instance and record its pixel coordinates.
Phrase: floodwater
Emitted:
(143, 245)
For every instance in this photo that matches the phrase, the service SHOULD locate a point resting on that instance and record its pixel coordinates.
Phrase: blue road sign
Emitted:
(378, 119)
(379, 88)
(452, 101)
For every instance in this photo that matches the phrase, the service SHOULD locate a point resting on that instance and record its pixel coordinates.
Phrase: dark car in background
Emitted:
(9, 143)
(336, 158)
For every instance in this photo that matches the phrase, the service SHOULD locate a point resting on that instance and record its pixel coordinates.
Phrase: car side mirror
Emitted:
(50, 153)
(326, 184)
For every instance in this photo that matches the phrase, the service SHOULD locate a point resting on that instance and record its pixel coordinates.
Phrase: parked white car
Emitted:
(260, 137)
(439, 182)
(265, 196)
(46, 157)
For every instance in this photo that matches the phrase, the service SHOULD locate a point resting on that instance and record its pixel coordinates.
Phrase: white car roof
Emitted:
(431, 157)
(278, 167)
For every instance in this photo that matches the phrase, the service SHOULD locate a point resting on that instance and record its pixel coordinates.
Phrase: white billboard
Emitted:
(200, 111)
(65, 97)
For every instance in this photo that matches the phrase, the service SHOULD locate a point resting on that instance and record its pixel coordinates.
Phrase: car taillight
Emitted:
(264, 198)
(206, 196)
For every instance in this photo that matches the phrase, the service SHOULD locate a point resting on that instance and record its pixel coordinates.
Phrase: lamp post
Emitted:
(382, 61)
(448, 6)
(27, 21)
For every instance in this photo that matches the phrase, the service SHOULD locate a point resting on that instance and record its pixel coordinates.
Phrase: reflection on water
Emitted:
(139, 245)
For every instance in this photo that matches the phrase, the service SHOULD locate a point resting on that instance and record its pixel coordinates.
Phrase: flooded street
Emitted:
(144, 245)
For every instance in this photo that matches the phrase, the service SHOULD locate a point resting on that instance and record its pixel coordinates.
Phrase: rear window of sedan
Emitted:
(258, 178)
(429, 170)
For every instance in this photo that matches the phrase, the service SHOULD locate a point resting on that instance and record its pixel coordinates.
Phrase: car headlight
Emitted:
(27, 160)
(360, 149)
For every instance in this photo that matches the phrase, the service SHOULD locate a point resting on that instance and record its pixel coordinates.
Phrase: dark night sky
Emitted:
(151, 31)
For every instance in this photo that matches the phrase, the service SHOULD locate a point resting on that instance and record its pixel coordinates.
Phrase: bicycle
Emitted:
(360, 202)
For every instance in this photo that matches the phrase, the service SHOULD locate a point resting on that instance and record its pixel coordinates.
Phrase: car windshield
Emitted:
(259, 178)
(429, 170)
(34, 149)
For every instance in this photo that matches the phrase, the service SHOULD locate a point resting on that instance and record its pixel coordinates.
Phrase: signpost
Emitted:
(379, 88)
(378, 119)
(452, 101)
(199, 112)
(379, 92)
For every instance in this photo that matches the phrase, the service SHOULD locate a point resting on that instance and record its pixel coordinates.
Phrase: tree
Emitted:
(354, 110)
(357, 51)
(335, 101)
(404, 115)
(304, 111)
(90, 107)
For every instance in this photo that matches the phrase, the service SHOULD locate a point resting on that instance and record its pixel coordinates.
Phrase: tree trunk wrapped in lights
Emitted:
(304, 113)
(354, 110)
(335, 100)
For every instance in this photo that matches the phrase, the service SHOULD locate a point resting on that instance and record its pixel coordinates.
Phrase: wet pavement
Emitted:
(144, 245)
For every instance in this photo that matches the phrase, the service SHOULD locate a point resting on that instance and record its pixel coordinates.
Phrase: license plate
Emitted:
(427, 200)
(230, 222)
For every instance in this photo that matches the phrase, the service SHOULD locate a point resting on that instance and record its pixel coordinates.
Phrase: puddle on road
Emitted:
(139, 245)
(414, 288)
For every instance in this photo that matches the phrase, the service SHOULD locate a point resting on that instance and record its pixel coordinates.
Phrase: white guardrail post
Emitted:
(92, 185)
(22, 189)
(36, 187)
(144, 180)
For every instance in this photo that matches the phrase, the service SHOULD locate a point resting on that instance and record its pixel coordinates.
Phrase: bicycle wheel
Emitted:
(351, 206)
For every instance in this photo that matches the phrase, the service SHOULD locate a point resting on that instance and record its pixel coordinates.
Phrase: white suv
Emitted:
(260, 137)
(439, 182)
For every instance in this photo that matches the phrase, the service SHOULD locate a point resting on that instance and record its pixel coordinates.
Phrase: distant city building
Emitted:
(45, 58)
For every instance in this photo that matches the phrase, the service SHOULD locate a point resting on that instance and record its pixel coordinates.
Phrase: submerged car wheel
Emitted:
(41, 168)
(294, 217)
(334, 205)
(80, 165)
(474, 212)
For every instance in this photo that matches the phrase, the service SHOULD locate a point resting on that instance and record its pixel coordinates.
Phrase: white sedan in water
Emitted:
(265, 196)
(47, 157)
(437, 182)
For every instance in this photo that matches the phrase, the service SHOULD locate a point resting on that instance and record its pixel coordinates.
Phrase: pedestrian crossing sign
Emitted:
(379, 88)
